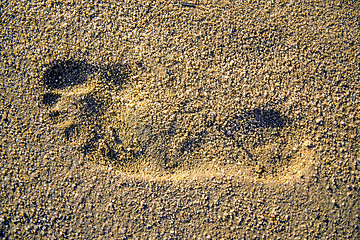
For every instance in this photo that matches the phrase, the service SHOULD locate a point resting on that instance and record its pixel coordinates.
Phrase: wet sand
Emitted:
(165, 120)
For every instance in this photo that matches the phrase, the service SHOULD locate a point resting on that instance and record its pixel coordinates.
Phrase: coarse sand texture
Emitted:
(179, 119)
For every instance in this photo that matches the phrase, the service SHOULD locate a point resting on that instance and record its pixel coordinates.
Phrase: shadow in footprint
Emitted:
(50, 99)
(92, 139)
(255, 121)
(268, 118)
(66, 73)
(91, 106)
(252, 128)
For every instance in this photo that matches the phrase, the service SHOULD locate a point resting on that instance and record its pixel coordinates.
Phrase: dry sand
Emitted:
(170, 120)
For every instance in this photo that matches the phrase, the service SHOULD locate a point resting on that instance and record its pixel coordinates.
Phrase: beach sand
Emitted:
(180, 120)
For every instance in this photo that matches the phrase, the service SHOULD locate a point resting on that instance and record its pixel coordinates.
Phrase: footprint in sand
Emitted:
(95, 108)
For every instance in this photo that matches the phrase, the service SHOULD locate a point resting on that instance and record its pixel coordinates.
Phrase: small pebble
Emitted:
(308, 144)
(319, 121)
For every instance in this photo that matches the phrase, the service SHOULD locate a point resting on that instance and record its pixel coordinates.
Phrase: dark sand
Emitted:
(162, 120)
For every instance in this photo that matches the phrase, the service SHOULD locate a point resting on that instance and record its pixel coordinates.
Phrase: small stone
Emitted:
(319, 121)
(308, 144)
(259, 169)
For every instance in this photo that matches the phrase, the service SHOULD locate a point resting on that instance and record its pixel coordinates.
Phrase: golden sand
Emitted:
(167, 119)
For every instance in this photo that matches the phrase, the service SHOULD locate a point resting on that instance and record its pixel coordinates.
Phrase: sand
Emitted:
(180, 120)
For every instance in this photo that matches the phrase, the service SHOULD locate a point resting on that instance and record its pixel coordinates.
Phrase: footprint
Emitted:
(96, 108)
(50, 99)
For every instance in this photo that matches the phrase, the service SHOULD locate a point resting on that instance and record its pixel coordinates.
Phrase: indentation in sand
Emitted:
(97, 109)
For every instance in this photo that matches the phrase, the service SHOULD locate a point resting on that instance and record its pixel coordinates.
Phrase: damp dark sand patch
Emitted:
(96, 109)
